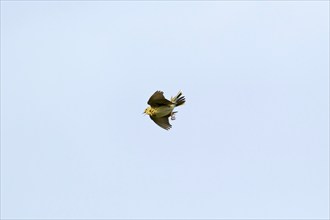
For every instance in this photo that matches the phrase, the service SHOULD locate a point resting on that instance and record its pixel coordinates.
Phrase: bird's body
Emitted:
(160, 111)
(160, 108)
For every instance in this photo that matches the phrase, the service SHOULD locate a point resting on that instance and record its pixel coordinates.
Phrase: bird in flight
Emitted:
(161, 109)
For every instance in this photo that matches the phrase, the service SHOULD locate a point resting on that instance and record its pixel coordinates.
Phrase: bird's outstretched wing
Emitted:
(158, 99)
(162, 122)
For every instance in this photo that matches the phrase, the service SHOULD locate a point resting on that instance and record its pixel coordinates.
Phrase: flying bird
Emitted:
(161, 109)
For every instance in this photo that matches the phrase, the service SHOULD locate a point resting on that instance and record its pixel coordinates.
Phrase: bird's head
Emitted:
(148, 111)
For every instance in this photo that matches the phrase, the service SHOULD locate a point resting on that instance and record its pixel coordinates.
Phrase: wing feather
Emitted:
(158, 99)
(162, 122)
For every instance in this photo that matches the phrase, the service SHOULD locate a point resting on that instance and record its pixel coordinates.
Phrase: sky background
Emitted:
(252, 140)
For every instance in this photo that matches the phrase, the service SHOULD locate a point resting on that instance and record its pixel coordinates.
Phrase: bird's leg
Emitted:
(173, 115)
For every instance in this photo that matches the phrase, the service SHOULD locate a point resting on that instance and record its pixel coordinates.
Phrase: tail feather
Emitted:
(178, 99)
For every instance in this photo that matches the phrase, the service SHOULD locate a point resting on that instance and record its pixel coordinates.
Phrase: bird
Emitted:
(161, 109)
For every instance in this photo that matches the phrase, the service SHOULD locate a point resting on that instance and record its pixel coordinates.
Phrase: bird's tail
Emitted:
(178, 99)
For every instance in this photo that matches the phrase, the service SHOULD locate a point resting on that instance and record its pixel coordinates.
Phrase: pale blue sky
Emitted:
(252, 140)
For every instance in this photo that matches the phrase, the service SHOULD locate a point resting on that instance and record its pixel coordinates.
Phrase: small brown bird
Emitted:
(160, 108)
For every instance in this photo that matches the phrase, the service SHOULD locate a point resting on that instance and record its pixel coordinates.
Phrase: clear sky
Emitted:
(252, 140)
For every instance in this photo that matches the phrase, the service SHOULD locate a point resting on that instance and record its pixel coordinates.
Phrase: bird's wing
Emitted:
(158, 99)
(162, 122)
